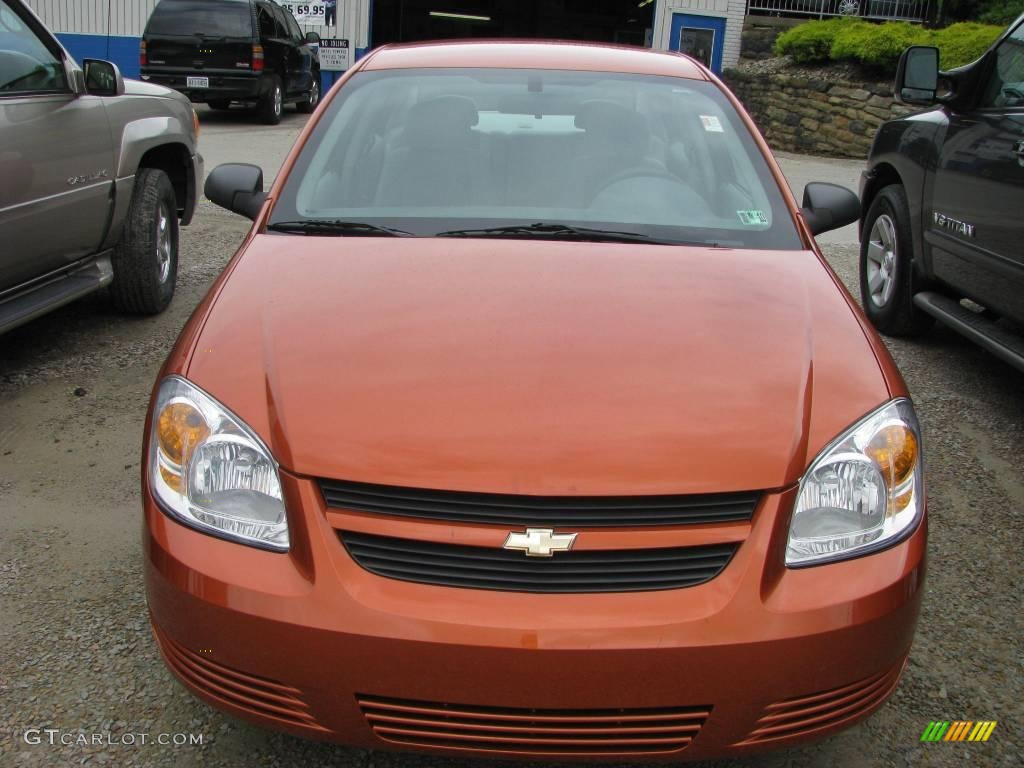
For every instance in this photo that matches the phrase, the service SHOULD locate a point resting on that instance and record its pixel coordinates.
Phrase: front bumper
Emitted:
(308, 642)
(224, 86)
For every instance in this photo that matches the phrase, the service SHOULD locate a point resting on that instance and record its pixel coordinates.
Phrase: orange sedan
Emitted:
(529, 420)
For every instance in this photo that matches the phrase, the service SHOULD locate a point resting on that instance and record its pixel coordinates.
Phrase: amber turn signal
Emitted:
(894, 450)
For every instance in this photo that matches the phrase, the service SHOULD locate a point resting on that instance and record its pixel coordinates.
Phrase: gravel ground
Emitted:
(75, 648)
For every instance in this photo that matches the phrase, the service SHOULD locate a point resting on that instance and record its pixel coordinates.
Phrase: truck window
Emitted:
(1005, 87)
(209, 18)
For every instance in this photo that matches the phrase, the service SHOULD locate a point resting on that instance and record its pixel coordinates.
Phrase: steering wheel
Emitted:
(634, 173)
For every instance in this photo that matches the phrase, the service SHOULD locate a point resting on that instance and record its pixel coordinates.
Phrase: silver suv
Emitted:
(96, 173)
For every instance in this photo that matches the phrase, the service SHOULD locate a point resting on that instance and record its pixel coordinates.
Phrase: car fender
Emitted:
(905, 151)
(140, 125)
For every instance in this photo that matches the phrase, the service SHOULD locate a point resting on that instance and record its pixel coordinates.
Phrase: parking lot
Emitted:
(76, 652)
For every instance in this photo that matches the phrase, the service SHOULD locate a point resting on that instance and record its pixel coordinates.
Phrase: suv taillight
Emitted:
(257, 57)
(143, 59)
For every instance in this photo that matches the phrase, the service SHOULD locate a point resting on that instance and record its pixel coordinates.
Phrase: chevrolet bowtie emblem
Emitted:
(540, 542)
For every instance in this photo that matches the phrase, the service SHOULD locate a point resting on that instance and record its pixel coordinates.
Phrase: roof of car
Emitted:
(531, 54)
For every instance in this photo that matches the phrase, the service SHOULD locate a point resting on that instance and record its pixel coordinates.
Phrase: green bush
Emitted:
(811, 42)
(962, 43)
(1001, 12)
(877, 45)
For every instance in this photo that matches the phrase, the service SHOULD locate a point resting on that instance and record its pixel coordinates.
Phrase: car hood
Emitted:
(140, 88)
(518, 366)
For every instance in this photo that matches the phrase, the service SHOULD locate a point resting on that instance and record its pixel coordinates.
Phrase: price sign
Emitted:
(334, 54)
(307, 13)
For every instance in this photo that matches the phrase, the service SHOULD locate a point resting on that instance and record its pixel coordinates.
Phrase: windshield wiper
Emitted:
(337, 227)
(551, 230)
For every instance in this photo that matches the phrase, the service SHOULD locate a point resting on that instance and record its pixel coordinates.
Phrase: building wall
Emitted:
(733, 11)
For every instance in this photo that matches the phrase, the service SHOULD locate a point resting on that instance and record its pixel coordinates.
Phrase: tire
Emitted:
(886, 266)
(272, 102)
(220, 104)
(310, 103)
(145, 261)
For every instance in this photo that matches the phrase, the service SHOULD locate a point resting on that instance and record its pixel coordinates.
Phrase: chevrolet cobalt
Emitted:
(529, 420)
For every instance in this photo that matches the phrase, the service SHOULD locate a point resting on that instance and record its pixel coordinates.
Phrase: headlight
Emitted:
(863, 493)
(210, 471)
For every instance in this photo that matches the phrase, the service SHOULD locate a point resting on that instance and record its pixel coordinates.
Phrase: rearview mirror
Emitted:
(312, 37)
(102, 78)
(237, 187)
(917, 75)
(829, 206)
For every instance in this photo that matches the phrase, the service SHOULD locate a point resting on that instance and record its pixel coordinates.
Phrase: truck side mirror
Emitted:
(829, 206)
(237, 187)
(102, 78)
(917, 75)
(313, 38)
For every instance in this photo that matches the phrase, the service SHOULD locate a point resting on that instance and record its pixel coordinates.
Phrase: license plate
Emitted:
(197, 82)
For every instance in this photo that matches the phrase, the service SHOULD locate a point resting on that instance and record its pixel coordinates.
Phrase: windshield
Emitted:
(209, 18)
(494, 153)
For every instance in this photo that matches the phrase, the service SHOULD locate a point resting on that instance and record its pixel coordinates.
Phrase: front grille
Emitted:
(455, 565)
(549, 511)
(807, 715)
(260, 696)
(533, 731)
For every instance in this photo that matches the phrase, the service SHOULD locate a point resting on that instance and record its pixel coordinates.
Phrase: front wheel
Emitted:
(309, 104)
(145, 261)
(272, 102)
(886, 268)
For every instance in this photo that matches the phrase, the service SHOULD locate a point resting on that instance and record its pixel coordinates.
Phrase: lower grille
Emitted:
(258, 695)
(453, 565)
(533, 731)
(804, 715)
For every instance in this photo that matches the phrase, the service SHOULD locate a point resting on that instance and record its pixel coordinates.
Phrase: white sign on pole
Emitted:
(334, 54)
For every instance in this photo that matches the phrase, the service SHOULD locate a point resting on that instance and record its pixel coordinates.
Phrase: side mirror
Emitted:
(237, 187)
(917, 75)
(313, 37)
(829, 206)
(102, 78)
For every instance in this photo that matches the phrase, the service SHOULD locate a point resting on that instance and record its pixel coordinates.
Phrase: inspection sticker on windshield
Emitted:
(711, 124)
(753, 218)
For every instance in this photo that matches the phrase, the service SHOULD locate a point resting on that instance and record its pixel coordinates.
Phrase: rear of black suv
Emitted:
(221, 52)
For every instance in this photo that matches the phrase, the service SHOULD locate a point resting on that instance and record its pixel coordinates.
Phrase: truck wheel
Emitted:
(272, 102)
(886, 268)
(146, 259)
(309, 104)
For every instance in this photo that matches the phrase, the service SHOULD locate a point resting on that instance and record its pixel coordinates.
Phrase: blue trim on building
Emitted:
(714, 23)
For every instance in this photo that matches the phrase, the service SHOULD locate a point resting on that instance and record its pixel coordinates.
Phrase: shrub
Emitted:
(877, 45)
(811, 42)
(962, 43)
(1001, 12)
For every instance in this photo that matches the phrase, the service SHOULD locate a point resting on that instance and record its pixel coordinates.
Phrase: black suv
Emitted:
(224, 51)
(942, 236)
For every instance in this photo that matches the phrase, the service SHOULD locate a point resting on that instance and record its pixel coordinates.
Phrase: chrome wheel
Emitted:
(881, 260)
(278, 100)
(849, 7)
(164, 246)
(314, 95)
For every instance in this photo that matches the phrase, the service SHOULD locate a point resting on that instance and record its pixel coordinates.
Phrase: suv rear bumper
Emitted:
(224, 86)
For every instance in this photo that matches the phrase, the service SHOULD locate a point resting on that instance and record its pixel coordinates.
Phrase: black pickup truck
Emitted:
(942, 227)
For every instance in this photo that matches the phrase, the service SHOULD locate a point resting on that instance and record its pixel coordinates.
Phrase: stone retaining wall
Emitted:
(812, 114)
